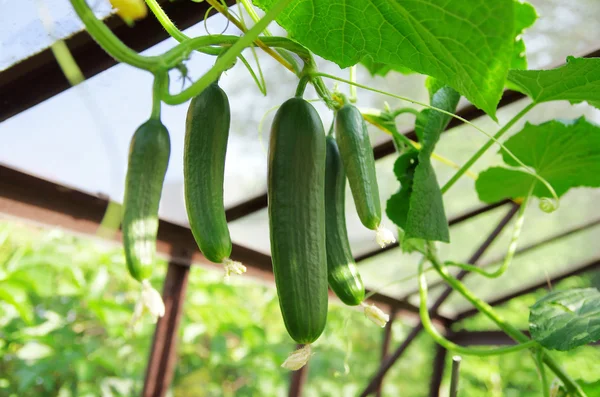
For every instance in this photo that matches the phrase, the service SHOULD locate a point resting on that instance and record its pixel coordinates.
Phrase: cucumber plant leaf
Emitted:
(418, 207)
(565, 153)
(382, 69)
(564, 320)
(577, 81)
(466, 44)
(525, 16)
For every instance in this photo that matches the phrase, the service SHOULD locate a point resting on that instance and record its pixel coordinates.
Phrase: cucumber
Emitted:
(296, 193)
(149, 153)
(343, 275)
(359, 163)
(206, 134)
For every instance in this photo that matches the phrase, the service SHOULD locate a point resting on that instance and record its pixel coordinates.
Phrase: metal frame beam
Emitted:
(576, 270)
(520, 251)
(38, 78)
(28, 197)
(162, 358)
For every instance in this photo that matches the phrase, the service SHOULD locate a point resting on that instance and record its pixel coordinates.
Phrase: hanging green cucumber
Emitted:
(148, 159)
(342, 271)
(206, 134)
(296, 193)
(359, 163)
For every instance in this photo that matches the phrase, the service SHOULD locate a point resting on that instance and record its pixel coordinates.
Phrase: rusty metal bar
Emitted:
(579, 269)
(28, 197)
(454, 221)
(37, 78)
(520, 251)
(161, 364)
(297, 379)
(439, 365)
(387, 364)
(385, 345)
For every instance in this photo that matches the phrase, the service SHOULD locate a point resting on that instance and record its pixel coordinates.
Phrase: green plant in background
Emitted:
(542, 161)
(66, 332)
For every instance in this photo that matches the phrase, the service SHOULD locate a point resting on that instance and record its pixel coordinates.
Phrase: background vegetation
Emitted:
(66, 303)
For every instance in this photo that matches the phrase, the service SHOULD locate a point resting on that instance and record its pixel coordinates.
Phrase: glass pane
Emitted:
(22, 31)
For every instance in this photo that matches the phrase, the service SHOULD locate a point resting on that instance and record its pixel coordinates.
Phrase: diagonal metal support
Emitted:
(451, 222)
(522, 250)
(389, 362)
(579, 269)
(385, 345)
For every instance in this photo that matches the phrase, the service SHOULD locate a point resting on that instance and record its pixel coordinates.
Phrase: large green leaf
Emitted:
(565, 153)
(564, 320)
(577, 81)
(466, 44)
(418, 207)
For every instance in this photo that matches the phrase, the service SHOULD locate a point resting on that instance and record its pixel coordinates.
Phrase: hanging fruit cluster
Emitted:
(307, 175)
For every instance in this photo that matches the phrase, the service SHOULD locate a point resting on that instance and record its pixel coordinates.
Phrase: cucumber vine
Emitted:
(432, 120)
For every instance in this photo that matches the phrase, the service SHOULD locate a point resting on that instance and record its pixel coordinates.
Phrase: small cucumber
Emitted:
(343, 275)
(149, 153)
(359, 163)
(296, 193)
(207, 131)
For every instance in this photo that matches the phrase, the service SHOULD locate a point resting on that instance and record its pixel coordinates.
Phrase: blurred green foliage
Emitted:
(65, 311)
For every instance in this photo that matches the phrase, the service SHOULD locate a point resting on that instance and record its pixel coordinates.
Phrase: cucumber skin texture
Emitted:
(296, 193)
(206, 134)
(149, 153)
(359, 163)
(343, 275)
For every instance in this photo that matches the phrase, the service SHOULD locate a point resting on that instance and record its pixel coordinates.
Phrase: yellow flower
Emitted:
(130, 10)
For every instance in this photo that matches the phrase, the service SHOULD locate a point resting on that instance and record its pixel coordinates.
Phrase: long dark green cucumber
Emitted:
(149, 153)
(343, 275)
(359, 163)
(296, 193)
(206, 134)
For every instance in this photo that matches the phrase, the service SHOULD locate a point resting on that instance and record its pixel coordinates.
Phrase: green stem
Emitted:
(511, 331)
(227, 58)
(353, 95)
(166, 22)
(111, 43)
(157, 88)
(543, 378)
(493, 139)
(448, 345)
(512, 247)
(302, 86)
(400, 111)
(259, 81)
(284, 53)
(485, 147)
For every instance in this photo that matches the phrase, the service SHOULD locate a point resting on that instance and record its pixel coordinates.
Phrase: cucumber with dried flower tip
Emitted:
(149, 153)
(343, 275)
(359, 163)
(296, 193)
(206, 135)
